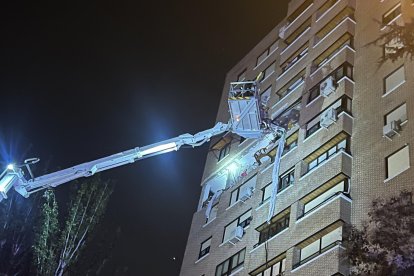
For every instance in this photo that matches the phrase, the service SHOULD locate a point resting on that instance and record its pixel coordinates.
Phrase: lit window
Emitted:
(390, 16)
(399, 115)
(397, 162)
(243, 221)
(205, 248)
(230, 265)
(394, 80)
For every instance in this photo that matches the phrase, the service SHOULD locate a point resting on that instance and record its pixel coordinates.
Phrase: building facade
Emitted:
(350, 139)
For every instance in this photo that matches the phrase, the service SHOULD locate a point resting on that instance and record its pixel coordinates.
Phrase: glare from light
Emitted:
(160, 148)
(233, 167)
(10, 167)
(6, 183)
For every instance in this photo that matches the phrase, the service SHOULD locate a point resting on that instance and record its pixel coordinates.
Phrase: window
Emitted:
(224, 151)
(345, 70)
(291, 85)
(391, 15)
(325, 7)
(289, 118)
(265, 96)
(319, 244)
(279, 223)
(399, 115)
(268, 71)
(324, 194)
(244, 190)
(213, 213)
(266, 53)
(397, 162)
(325, 152)
(303, 51)
(345, 40)
(230, 265)
(394, 80)
(291, 142)
(299, 31)
(274, 267)
(299, 11)
(286, 180)
(313, 126)
(243, 221)
(344, 104)
(266, 192)
(348, 12)
(205, 248)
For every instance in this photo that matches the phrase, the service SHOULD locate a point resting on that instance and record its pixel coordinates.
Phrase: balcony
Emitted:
(340, 162)
(298, 17)
(342, 23)
(329, 257)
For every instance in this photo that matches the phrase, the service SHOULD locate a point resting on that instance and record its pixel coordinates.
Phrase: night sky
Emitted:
(81, 80)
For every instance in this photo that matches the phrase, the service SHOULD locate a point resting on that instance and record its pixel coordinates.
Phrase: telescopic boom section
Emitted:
(245, 121)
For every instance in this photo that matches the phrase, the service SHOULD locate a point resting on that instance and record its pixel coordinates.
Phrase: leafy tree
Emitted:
(397, 42)
(45, 247)
(63, 247)
(385, 244)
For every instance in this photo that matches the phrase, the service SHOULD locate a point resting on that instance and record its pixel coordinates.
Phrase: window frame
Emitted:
(229, 266)
(243, 223)
(385, 92)
(206, 251)
(387, 173)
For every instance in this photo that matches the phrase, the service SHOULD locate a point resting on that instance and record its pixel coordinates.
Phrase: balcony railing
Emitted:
(316, 254)
(323, 202)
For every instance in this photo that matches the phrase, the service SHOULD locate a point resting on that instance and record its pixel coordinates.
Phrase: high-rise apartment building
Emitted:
(350, 139)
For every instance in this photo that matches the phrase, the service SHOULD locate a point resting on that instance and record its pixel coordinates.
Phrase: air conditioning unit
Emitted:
(327, 87)
(328, 117)
(237, 235)
(391, 129)
(247, 195)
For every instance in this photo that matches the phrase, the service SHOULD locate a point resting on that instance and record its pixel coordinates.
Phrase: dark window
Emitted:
(274, 228)
(286, 180)
(230, 265)
(224, 151)
(272, 269)
(391, 15)
(313, 129)
(205, 248)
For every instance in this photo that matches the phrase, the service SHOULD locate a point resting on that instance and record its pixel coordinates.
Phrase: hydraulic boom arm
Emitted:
(247, 120)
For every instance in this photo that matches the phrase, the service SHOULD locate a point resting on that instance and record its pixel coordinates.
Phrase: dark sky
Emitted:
(84, 79)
